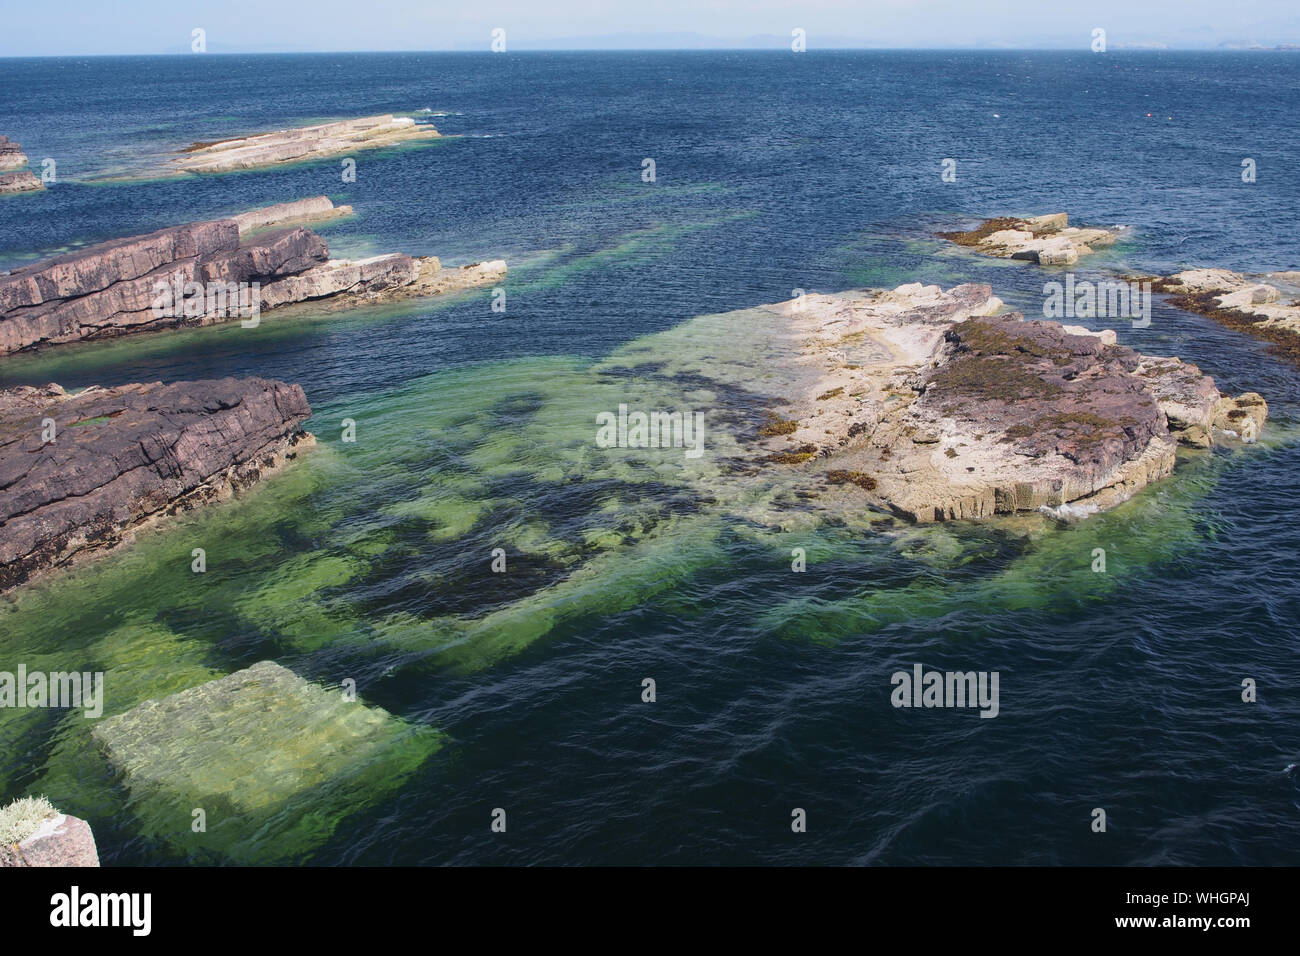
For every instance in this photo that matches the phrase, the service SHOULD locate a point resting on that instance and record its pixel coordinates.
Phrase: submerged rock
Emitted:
(1048, 240)
(302, 143)
(273, 761)
(928, 403)
(80, 473)
(204, 273)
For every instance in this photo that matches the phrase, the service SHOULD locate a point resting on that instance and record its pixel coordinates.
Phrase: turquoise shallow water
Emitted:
(371, 561)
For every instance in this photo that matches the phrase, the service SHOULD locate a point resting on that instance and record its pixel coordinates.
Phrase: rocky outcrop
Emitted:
(303, 143)
(140, 283)
(80, 473)
(22, 181)
(935, 406)
(1048, 240)
(316, 209)
(1265, 306)
(11, 154)
(61, 840)
(204, 273)
(381, 279)
(13, 177)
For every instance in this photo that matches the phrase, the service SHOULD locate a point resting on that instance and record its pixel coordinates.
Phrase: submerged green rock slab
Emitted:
(273, 760)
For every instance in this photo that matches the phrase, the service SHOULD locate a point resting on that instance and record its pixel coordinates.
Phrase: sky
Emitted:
(107, 27)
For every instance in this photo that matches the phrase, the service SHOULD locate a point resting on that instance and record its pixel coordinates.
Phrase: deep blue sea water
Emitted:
(774, 172)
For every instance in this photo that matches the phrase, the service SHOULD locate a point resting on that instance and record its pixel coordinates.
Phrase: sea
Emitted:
(570, 654)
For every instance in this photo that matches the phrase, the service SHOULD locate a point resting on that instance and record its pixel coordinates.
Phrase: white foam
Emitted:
(1068, 511)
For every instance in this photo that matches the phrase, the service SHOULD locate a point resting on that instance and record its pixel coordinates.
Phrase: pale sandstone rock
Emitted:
(303, 143)
(1047, 240)
(316, 209)
(21, 181)
(1267, 310)
(13, 177)
(11, 154)
(925, 402)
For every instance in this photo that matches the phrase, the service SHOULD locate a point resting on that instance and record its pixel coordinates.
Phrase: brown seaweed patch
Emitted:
(1283, 342)
(776, 425)
(797, 457)
(992, 377)
(981, 232)
(1084, 428)
(859, 478)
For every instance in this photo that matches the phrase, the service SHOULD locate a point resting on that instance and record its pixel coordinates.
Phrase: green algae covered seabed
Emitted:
(373, 559)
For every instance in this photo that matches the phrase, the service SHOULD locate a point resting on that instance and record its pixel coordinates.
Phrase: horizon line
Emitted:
(1138, 48)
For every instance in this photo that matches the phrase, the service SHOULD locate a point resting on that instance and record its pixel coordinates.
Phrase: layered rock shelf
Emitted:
(935, 405)
(316, 209)
(11, 154)
(80, 473)
(14, 177)
(1048, 240)
(204, 273)
(1265, 306)
(302, 143)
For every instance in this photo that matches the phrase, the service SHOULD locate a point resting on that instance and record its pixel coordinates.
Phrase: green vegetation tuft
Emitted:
(22, 818)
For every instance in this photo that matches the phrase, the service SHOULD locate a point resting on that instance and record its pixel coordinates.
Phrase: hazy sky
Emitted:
(164, 26)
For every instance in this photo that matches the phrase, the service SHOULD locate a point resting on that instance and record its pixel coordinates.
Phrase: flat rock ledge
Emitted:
(1048, 240)
(61, 840)
(296, 213)
(931, 404)
(240, 267)
(14, 178)
(79, 474)
(302, 143)
(1266, 306)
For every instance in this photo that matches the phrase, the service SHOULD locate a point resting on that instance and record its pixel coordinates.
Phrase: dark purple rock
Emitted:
(110, 289)
(1049, 391)
(122, 456)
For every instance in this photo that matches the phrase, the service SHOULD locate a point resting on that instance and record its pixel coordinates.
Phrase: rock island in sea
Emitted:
(932, 404)
(302, 143)
(14, 177)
